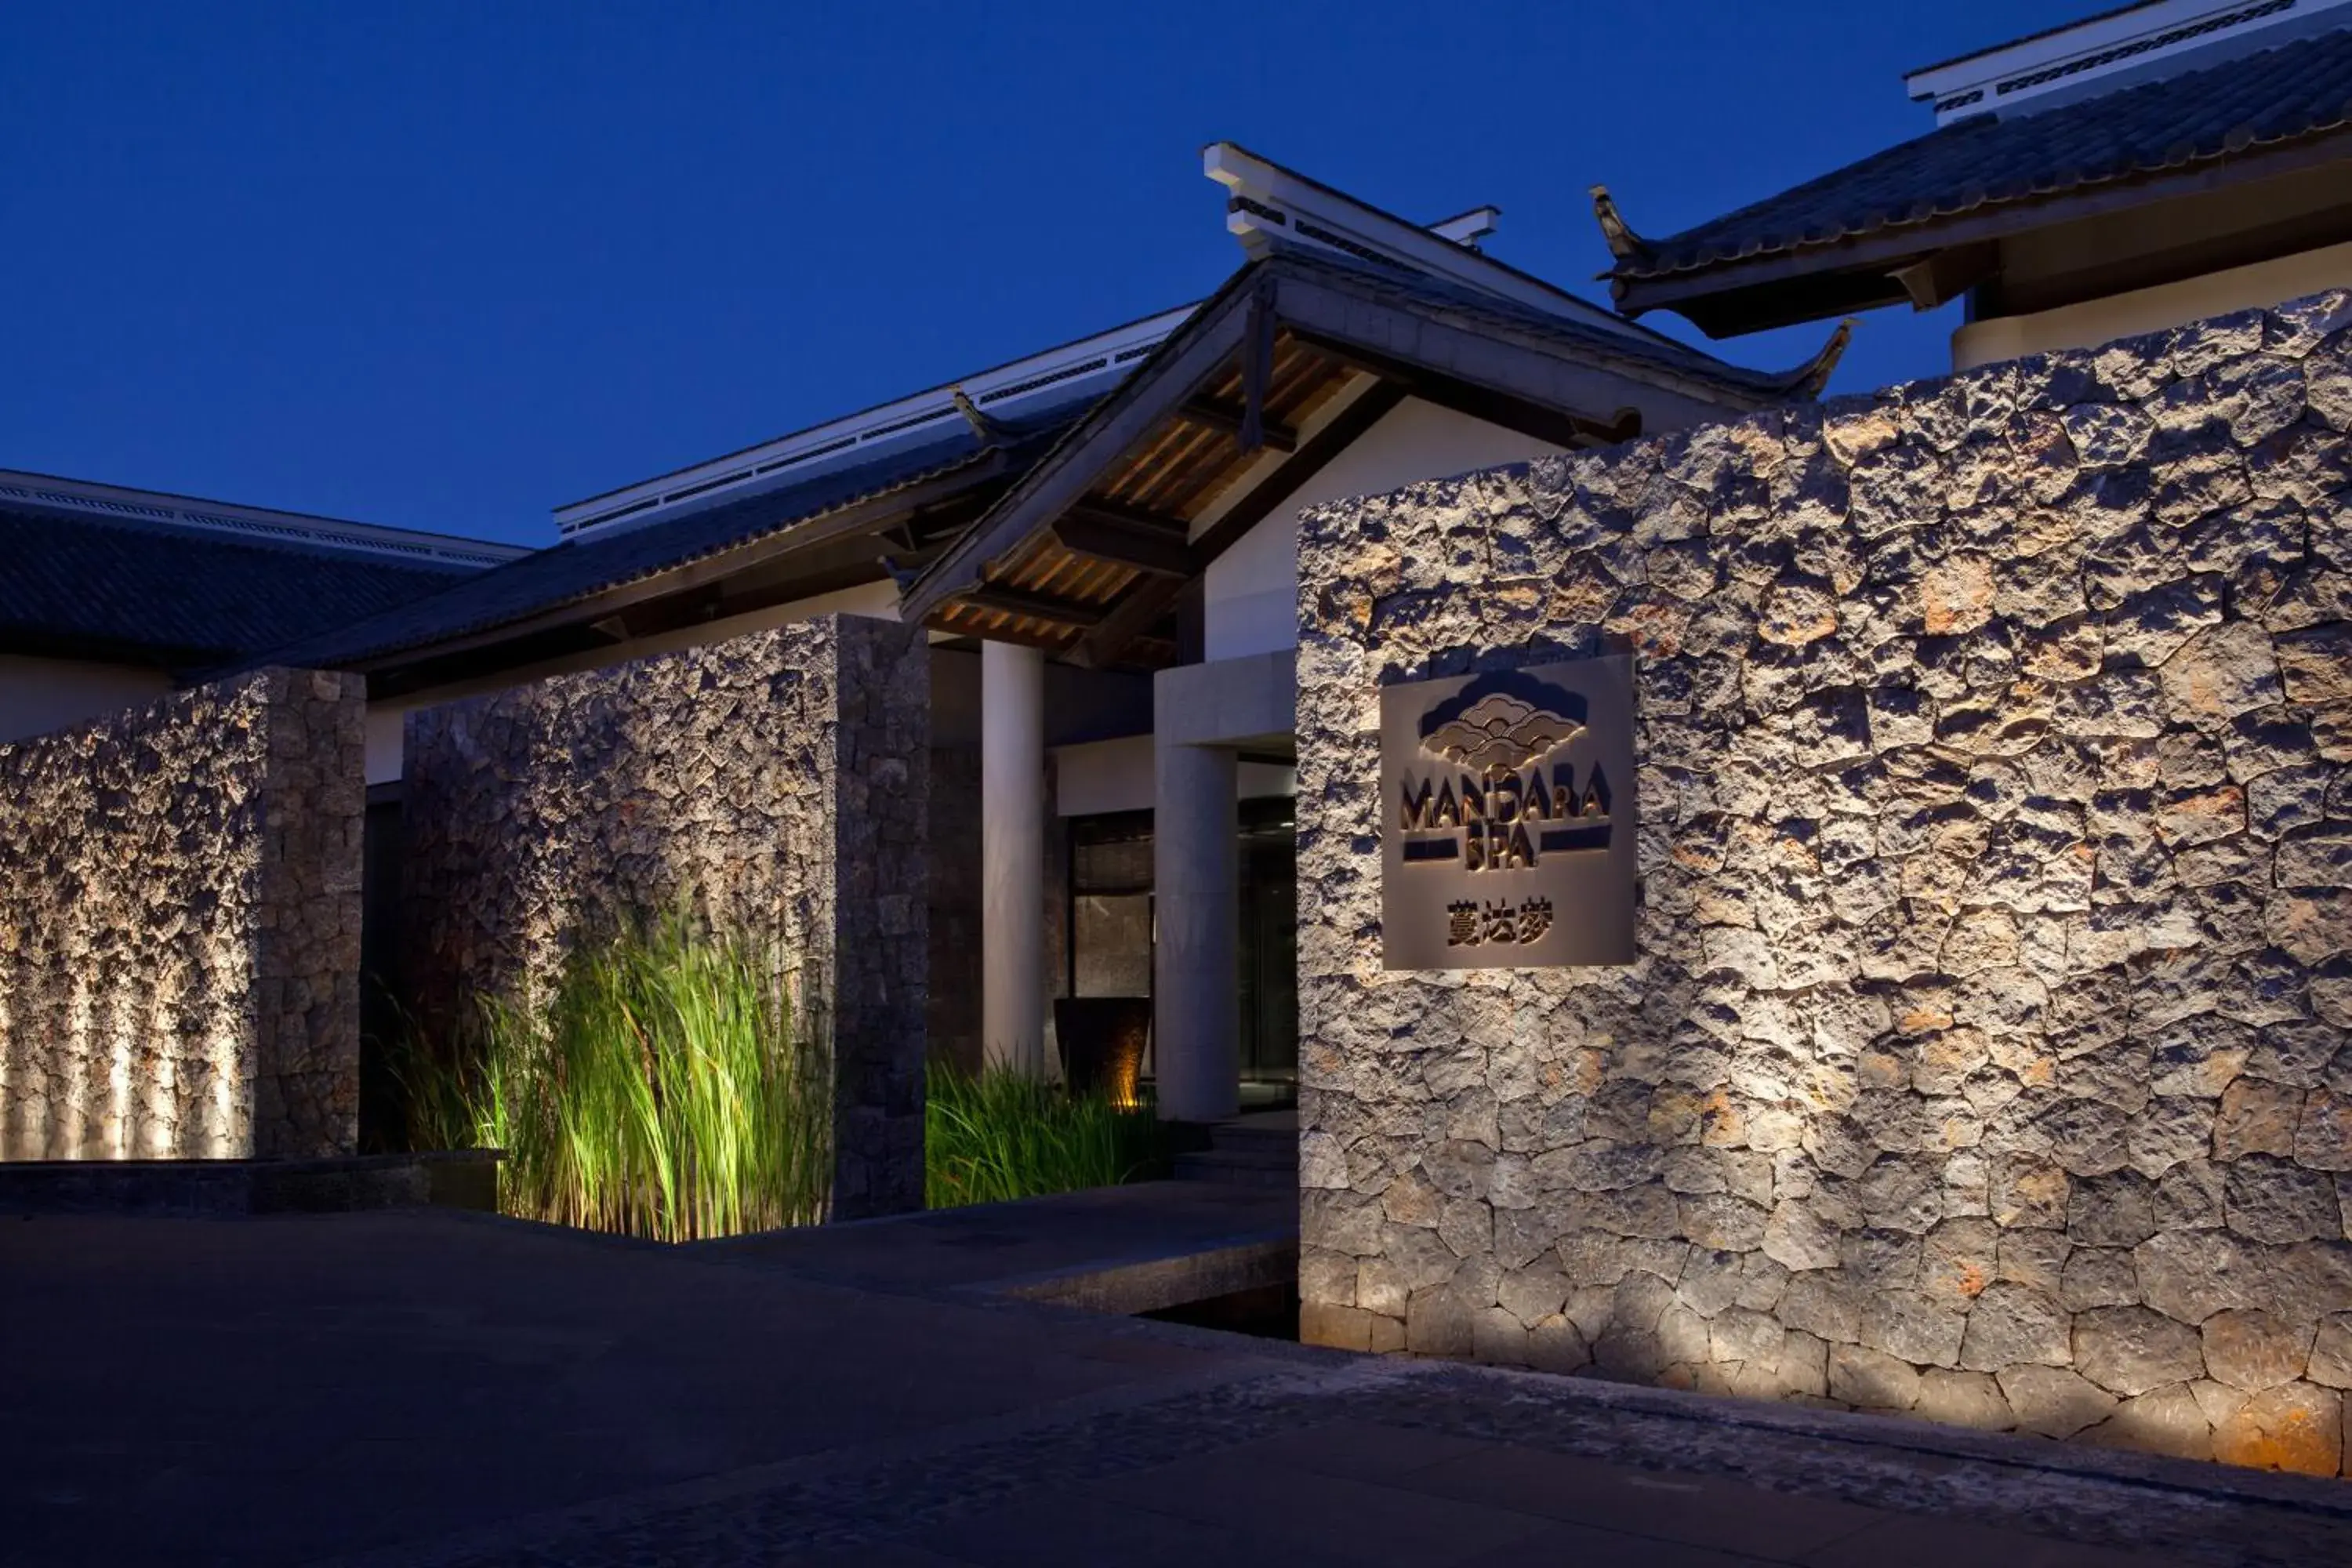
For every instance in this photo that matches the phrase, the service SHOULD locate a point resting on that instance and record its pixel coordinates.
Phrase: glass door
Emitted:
(1270, 949)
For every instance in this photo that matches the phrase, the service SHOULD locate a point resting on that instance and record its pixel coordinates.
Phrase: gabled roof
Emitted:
(1089, 547)
(569, 574)
(722, 537)
(141, 591)
(172, 582)
(1979, 178)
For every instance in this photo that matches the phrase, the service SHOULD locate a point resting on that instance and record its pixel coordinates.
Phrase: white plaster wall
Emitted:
(1116, 775)
(877, 600)
(1252, 593)
(38, 695)
(2094, 321)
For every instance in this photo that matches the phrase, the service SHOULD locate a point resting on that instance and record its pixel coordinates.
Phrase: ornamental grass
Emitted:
(997, 1135)
(655, 1089)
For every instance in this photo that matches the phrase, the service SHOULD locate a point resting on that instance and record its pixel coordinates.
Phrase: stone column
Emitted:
(1196, 977)
(1012, 856)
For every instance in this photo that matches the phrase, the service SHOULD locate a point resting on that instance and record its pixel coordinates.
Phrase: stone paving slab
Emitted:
(1003, 1247)
(430, 1390)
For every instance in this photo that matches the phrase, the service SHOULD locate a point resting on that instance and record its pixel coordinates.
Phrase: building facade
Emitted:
(1955, 1022)
(1100, 541)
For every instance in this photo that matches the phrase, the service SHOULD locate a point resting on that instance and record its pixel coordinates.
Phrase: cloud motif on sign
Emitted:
(1499, 733)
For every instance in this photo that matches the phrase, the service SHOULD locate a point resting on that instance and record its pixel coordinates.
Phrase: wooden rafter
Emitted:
(1130, 516)
(1161, 552)
(1147, 601)
(1219, 413)
(1185, 365)
(1032, 607)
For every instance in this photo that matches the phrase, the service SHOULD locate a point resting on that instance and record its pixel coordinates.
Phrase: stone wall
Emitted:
(1987, 1054)
(180, 927)
(780, 780)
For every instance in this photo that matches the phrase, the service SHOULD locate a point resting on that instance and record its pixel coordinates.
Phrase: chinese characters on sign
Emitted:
(1508, 818)
(1468, 924)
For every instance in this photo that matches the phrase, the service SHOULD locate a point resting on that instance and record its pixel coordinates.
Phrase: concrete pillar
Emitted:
(1012, 856)
(1196, 976)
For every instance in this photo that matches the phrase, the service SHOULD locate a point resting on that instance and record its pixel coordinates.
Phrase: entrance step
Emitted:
(1248, 1152)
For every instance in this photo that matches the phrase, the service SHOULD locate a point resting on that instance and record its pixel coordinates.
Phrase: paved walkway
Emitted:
(428, 1388)
(1125, 1250)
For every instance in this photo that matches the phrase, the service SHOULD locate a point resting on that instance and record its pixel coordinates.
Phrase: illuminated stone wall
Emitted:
(780, 780)
(179, 925)
(1986, 1057)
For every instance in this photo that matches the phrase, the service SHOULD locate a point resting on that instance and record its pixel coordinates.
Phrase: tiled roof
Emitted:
(181, 597)
(1394, 300)
(591, 562)
(2301, 90)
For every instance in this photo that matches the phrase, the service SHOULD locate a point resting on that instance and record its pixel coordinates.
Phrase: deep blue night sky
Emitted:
(447, 266)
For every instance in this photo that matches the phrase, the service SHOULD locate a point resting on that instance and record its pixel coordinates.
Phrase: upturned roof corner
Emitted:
(989, 430)
(1615, 232)
(1810, 378)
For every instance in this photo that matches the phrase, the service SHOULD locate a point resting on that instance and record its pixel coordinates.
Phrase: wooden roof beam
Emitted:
(1052, 640)
(1218, 414)
(1130, 516)
(1107, 537)
(1947, 274)
(1032, 607)
(1147, 601)
(1529, 418)
(1186, 365)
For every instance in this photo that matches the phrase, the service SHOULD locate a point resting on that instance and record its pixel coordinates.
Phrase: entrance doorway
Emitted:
(1269, 953)
(1111, 926)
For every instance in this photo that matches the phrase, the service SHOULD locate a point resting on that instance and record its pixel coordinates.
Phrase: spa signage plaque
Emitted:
(1507, 818)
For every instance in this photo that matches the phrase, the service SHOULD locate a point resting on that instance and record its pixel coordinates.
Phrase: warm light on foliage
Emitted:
(1000, 1135)
(655, 1090)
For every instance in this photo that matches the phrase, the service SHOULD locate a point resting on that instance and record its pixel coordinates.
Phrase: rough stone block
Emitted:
(2331, 1353)
(2166, 1420)
(1963, 1399)
(2250, 1348)
(2010, 1324)
(2296, 1427)
(1341, 1328)
(1871, 1380)
(2053, 1400)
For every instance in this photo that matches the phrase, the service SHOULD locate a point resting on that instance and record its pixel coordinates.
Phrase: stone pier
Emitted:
(1986, 1056)
(780, 779)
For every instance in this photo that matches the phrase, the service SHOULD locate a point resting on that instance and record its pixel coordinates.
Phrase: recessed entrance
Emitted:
(1111, 927)
(1270, 954)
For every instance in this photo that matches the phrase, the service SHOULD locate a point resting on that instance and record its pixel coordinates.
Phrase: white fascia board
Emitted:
(1272, 205)
(1470, 227)
(2036, 71)
(1093, 364)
